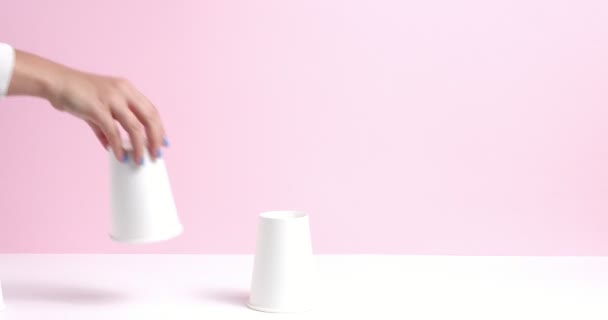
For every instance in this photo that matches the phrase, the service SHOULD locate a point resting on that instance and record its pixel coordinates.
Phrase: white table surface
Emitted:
(364, 286)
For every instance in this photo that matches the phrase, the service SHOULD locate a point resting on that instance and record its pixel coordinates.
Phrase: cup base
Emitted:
(150, 239)
(271, 310)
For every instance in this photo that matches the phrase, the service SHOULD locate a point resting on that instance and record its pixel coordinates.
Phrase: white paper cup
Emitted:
(142, 205)
(2, 306)
(283, 273)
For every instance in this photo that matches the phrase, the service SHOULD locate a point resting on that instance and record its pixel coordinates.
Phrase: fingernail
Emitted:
(159, 153)
(125, 157)
(165, 142)
(141, 162)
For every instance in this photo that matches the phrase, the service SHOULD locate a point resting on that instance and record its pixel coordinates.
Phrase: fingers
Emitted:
(134, 129)
(99, 134)
(109, 130)
(148, 116)
(135, 113)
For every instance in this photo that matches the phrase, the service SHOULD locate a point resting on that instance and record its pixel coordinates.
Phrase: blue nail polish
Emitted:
(141, 162)
(159, 153)
(165, 142)
(125, 157)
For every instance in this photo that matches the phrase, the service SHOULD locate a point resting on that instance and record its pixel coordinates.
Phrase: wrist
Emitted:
(50, 83)
(35, 76)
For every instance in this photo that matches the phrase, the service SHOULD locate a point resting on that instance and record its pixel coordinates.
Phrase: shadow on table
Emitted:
(57, 293)
(233, 297)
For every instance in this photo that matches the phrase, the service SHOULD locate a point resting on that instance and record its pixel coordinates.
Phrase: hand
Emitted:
(98, 100)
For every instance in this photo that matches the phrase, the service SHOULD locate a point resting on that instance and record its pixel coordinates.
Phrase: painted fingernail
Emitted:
(141, 162)
(165, 142)
(125, 157)
(159, 153)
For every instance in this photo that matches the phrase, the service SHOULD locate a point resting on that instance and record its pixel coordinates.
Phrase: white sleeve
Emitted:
(7, 62)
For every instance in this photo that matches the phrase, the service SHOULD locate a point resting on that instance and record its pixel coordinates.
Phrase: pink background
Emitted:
(426, 127)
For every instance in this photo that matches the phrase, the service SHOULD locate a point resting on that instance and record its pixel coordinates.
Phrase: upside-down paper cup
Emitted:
(2, 306)
(143, 209)
(283, 273)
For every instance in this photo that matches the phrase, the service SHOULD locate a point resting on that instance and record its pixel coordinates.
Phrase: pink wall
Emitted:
(452, 127)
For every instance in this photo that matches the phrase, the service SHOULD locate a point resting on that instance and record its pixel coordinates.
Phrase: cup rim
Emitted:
(283, 215)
